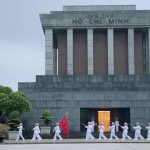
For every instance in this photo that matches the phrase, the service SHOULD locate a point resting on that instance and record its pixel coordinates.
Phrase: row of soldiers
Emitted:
(90, 129)
(137, 128)
(36, 132)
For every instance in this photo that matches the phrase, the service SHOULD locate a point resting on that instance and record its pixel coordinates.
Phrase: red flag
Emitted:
(64, 125)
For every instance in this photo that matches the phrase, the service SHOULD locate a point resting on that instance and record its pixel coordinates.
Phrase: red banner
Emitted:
(64, 125)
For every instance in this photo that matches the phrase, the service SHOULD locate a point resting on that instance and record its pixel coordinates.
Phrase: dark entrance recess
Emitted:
(86, 114)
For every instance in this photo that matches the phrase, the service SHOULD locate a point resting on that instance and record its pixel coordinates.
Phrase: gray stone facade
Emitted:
(90, 18)
(98, 19)
(62, 94)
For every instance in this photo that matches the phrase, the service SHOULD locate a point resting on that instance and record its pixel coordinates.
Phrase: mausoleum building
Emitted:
(97, 59)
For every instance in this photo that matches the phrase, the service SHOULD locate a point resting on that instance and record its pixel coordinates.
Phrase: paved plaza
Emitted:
(76, 144)
(79, 146)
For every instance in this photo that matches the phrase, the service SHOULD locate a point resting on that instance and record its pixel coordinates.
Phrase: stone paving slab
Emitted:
(80, 146)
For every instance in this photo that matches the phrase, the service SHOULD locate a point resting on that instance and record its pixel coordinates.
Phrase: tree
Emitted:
(12, 101)
(46, 118)
(14, 120)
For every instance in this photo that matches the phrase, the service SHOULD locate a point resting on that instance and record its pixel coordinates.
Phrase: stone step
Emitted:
(71, 141)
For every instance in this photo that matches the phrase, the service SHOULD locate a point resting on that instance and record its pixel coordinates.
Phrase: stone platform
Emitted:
(72, 94)
(73, 141)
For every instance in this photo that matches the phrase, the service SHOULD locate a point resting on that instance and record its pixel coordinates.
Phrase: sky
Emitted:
(22, 50)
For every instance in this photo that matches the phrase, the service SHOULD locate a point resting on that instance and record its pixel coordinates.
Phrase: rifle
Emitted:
(131, 124)
(142, 124)
(83, 124)
(96, 124)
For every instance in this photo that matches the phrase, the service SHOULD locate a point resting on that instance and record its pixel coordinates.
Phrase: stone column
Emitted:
(110, 43)
(131, 66)
(69, 51)
(149, 50)
(90, 51)
(49, 68)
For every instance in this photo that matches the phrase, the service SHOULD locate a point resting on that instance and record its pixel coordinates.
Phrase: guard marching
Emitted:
(125, 132)
(101, 131)
(20, 127)
(137, 129)
(93, 124)
(89, 135)
(117, 125)
(36, 133)
(112, 132)
(57, 132)
(148, 132)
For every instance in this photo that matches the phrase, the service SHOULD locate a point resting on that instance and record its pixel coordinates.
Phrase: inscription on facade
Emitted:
(99, 19)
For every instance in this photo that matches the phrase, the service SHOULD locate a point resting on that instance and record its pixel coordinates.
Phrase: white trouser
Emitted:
(36, 135)
(125, 135)
(101, 135)
(148, 135)
(89, 136)
(117, 128)
(92, 128)
(57, 135)
(138, 136)
(20, 135)
(112, 134)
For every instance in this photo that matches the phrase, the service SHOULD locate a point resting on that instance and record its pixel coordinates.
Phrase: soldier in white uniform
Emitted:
(20, 127)
(117, 125)
(89, 135)
(93, 124)
(148, 132)
(101, 132)
(57, 132)
(36, 133)
(112, 132)
(137, 129)
(125, 132)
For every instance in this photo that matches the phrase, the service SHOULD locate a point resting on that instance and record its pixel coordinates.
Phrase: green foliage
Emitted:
(46, 118)
(12, 101)
(4, 99)
(14, 120)
(5, 89)
(18, 101)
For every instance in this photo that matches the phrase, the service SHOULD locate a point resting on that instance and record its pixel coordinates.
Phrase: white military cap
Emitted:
(113, 123)
(137, 123)
(37, 124)
(89, 122)
(20, 124)
(57, 123)
(125, 123)
(102, 123)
